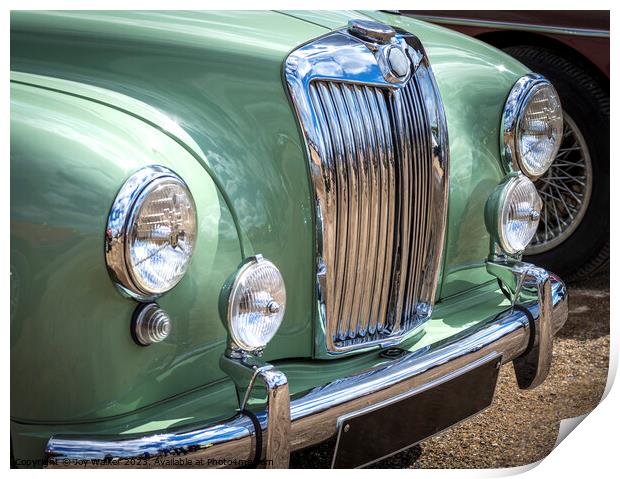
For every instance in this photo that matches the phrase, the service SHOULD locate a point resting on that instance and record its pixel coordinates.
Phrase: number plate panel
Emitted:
(381, 430)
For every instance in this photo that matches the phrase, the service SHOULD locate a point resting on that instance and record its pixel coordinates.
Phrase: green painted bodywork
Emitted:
(69, 330)
(97, 95)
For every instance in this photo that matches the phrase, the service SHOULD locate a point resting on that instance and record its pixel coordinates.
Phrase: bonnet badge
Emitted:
(397, 62)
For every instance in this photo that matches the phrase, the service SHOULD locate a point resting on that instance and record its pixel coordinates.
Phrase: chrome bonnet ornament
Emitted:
(396, 59)
(398, 62)
(369, 30)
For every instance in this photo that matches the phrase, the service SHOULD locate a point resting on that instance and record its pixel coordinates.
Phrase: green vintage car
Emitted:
(238, 234)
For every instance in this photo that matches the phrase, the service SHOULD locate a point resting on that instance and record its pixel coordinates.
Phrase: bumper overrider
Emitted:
(523, 334)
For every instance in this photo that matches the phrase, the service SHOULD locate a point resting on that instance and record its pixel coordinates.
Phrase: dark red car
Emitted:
(570, 48)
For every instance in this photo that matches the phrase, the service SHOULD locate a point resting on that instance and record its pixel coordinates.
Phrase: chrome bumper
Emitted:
(522, 334)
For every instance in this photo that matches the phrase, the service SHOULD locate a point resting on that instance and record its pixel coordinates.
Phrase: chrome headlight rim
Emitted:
(517, 100)
(122, 213)
(237, 344)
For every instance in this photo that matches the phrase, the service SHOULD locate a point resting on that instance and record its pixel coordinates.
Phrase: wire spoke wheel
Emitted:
(565, 190)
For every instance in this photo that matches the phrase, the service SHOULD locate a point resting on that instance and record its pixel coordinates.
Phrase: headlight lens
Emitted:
(256, 304)
(162, 234)
(519, 213)
(539, 131)
(151, 233)
(532, 126)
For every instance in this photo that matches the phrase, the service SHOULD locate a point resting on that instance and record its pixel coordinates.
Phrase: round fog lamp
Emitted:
(518, 214)
(256, 304)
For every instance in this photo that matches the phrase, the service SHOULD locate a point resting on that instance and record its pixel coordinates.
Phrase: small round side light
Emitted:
(150, 324)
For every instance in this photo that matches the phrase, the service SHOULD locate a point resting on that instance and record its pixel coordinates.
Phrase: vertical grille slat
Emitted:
(427, 195)
(425, 191)
(401, 125)
(411, 179)
(326, 151)
(341, 121)
(417, 139)
(331, 153)
(390, 224)
(368, 258)
(378, 203)
(376, 155)
(362, 209)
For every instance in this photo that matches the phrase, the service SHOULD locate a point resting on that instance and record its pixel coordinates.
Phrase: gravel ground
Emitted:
(520, 427)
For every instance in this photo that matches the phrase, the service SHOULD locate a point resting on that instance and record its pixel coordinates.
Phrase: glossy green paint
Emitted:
(70, 341)
(208, 87)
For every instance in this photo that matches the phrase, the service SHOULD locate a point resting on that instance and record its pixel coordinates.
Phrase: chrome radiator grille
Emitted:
(378, 157)
(376, 151)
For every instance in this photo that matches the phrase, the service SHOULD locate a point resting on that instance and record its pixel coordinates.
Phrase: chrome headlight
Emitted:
(151, 233)
(256, 304)
(532, 126)
(513, 212)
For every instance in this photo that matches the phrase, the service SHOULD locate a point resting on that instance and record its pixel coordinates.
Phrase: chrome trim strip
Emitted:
(378, 154)
(574, 31)
(314, 415)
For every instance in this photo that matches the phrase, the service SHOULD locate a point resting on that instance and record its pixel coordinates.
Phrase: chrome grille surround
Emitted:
(378, 154)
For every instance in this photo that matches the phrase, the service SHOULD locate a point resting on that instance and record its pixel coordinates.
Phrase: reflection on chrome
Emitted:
(377, 143)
